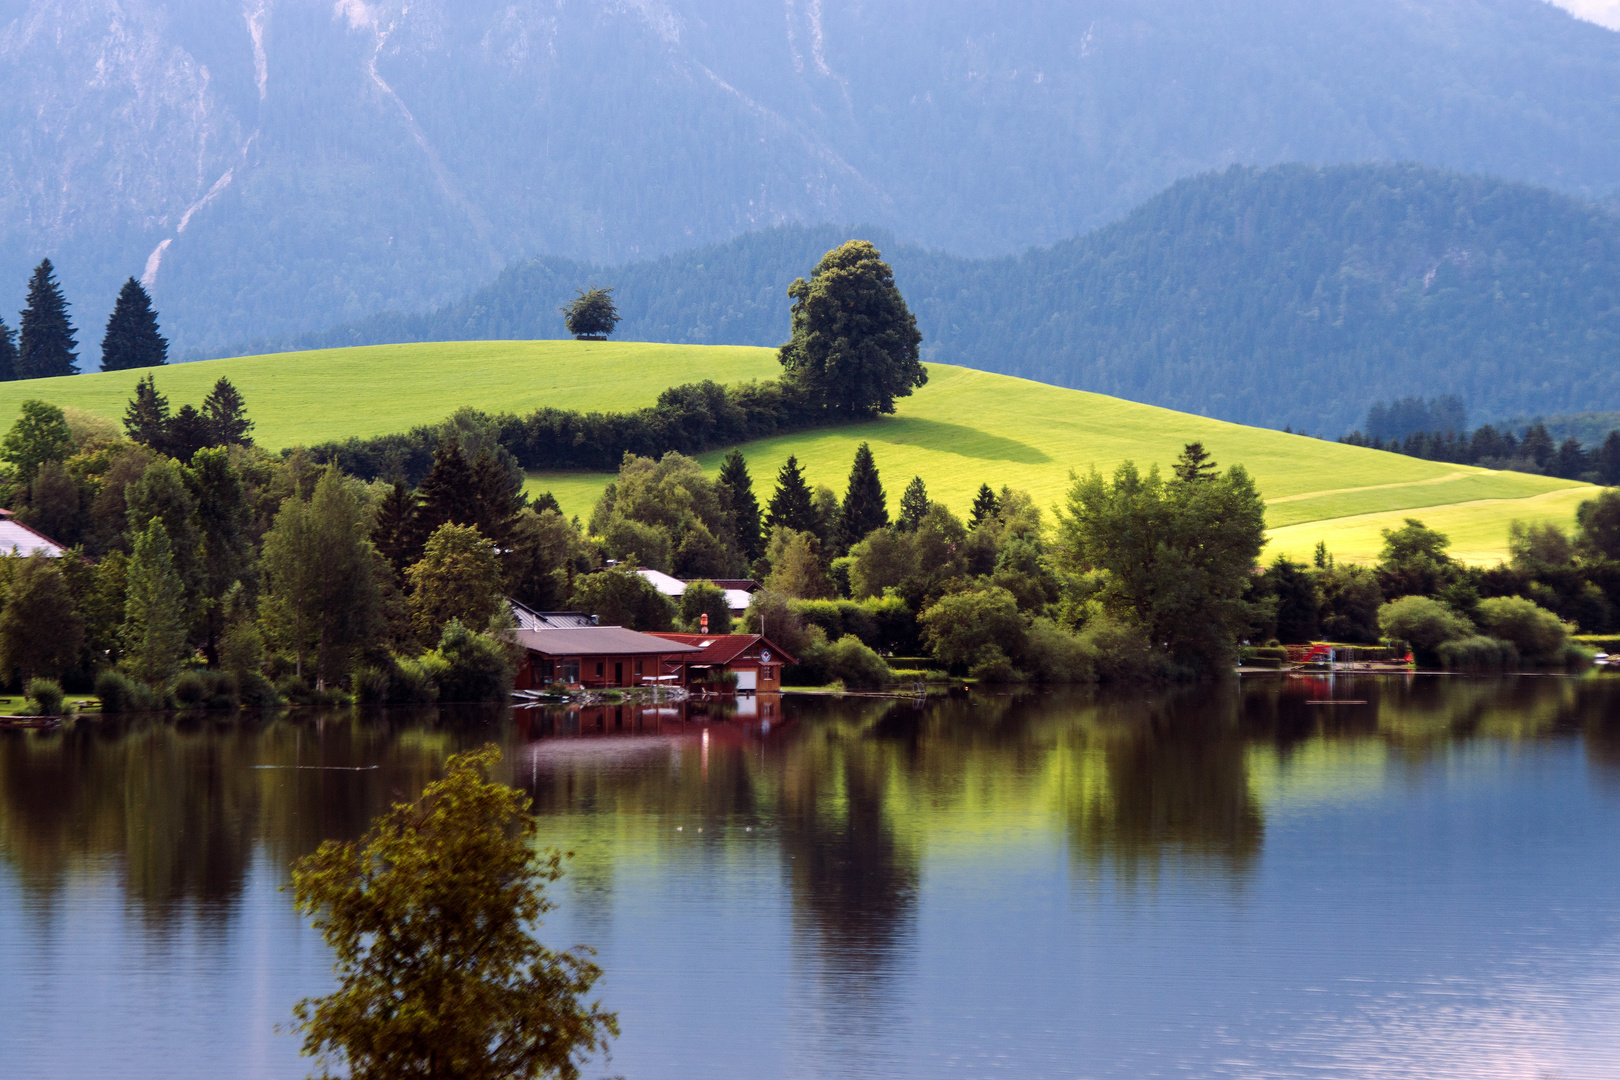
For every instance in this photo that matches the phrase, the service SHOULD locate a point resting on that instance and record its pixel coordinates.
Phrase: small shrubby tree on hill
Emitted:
(591, 316)
(132, 339)
(432, 918)
(855, 345)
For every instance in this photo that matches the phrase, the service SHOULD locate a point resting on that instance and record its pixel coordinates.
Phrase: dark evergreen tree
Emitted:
(792, 504)
(132, 339)
(866, 506)
(914, 504)
(225, 520)
(497, 498)
(985, 507)
(45, 345)
(1607, 460)
(545, 501)
(1195, 463)
(738, 487)
(448, 493)
(188, 432)
(397, 535)
(8, 353)
(855, 344)
(146, 420)
(591, 316)
(226, 414)
(1538, 446)
(1571, 460)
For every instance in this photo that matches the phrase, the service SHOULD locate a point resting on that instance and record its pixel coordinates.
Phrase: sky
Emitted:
(1602, 12)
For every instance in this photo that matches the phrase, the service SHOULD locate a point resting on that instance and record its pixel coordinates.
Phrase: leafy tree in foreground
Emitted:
(132, 339)
(40, 633)
(855, 343)
(45, 346)
(591, 316)
(866, 506)
(432, 918)
(792, 504)
(705, 598)
(623, 598)
(738, 489)
(1173, 558)
(1414, 561)
(459, 577)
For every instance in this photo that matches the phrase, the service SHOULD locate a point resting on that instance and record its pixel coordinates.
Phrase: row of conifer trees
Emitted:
(44, 344)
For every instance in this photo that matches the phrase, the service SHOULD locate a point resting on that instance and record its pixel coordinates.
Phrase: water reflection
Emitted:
(838, 838)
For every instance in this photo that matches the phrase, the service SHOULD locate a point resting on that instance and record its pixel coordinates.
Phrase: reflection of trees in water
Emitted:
(1163, 781)
(181, 807)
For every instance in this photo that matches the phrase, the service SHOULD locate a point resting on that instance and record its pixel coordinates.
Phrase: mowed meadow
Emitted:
(963, 429)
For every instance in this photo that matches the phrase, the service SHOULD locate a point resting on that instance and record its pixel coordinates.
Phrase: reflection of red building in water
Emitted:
(757, 662)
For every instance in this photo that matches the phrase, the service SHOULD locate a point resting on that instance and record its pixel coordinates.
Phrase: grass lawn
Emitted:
(964, 428)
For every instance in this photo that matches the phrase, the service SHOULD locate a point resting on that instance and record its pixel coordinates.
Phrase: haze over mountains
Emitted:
(280, 166)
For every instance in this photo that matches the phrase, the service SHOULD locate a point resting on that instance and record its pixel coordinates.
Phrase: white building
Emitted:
(738, 591)
(18, 539)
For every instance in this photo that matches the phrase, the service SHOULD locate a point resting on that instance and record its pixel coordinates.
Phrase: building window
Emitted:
(638, 669)
(570, 671)
(548, 670)
(599, 669)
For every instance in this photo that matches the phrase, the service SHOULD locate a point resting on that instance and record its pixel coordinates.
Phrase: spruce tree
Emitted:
(985, 507)
(45, 345)
(1195, 463)
(154, 608)
(146, 420)
(792, 505)
(1607, 460)
(497, 498)
(1538, 445)
(8, 353)
(866, 506)
(132, 339)
(447, 493)
(738, 487)
(395, 533)
(913, 504)
(226, 415)
(188, 433)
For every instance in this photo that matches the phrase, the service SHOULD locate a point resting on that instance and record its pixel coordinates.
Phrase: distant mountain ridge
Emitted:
(1287, 296)
(273, 167)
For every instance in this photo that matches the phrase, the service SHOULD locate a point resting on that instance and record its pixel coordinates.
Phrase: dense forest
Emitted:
(1291, 296)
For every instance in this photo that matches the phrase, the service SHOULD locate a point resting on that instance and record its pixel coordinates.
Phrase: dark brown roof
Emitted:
(598, 641)
(722, 648)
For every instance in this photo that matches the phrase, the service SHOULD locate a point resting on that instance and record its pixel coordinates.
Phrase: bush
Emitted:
(1052, 655)
(991, 665)
(44, 697)
(370, 685)
(1266, 652)
(253, 691)
(1426, 624)
(958, 626)
(294, 690)
(1537, 633)
(848, 660)
(1478, 653)
(470, 667)
(1119, 651)
(201, 689)
(121, 694)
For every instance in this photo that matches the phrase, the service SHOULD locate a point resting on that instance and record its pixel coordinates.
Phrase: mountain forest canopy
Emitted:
(1294, 296)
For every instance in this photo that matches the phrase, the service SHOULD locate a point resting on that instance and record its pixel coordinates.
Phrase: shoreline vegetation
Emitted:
(202, 571)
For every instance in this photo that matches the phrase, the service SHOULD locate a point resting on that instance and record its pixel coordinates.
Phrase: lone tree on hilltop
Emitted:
(855, 343)
(46, 346)
(591, 316)
(132, 339)
(433, 920)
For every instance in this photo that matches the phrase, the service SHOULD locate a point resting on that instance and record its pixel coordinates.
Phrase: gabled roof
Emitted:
(723, 648)
(529, 619)
(599, 641)
(737, 590)
(18, 539)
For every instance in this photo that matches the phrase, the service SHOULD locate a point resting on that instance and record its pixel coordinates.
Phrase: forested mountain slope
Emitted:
(278, 166)
(1289, 296)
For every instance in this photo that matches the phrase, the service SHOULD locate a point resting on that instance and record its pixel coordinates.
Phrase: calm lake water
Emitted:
(1421, 881)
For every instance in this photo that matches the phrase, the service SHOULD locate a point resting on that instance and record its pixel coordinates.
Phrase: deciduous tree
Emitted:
(155, 618)
(591, 316)
(40, 632)
(705, 598)
(40, 434)
(132, 339)
(433, 918)
(458, 577)
(855, 345)
(622, 598)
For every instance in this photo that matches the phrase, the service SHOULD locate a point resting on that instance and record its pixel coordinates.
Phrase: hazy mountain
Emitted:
(274, 166)
(1292, 295)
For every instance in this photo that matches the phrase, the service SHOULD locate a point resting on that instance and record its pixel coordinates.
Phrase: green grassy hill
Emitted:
(964, 428)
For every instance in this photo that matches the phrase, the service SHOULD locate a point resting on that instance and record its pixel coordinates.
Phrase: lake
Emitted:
(1397, 877)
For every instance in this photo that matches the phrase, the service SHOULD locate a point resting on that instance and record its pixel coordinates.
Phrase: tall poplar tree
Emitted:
(738, 488)
(8, 353)
(132, 339)
(154, 608)
(792, 504)
(866, 506)
(45, 346)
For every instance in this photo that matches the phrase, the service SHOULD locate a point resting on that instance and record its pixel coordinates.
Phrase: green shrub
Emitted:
(1120, 651)
(202, 689)
(1537, 633)
(958, 626)
(254, 691)
(294, 690)
(1053, 655)
(410, 683)
(848, 660)
(121, 694)
(991, 665)
(1265, 652)
(370, 685)
(1478, 653)
(44, 697)
(1426, 624)
(470, 667)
